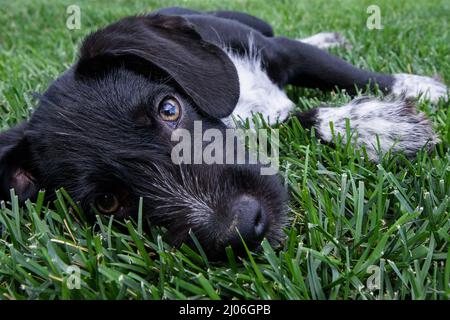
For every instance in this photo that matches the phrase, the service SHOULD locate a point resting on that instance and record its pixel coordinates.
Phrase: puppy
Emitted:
(103, 129)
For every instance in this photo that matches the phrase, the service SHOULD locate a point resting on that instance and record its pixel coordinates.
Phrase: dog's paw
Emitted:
(327, 40)
(394, 123)
(413, 86)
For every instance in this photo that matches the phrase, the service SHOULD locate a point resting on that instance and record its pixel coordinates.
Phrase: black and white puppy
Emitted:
(103, 129)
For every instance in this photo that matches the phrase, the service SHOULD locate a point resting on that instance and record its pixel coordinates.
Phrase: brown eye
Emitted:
(107, 203)
(170, 110)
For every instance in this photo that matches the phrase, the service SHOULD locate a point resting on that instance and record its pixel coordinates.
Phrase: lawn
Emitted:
(358, 230)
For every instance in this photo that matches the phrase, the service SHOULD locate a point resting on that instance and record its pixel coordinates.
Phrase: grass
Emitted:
(352, 221)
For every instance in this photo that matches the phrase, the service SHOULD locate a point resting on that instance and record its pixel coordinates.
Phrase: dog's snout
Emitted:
(251, 221)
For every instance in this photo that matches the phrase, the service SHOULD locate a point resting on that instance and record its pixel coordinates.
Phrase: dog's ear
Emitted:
(171, 46)
(15, 162)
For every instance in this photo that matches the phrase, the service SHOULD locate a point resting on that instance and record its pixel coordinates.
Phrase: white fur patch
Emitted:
(398, 126)
(326, 40)
(258, 94)
(412, 86)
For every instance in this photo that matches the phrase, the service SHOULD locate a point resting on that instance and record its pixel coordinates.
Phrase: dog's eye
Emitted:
(107, 203)
(170, 110)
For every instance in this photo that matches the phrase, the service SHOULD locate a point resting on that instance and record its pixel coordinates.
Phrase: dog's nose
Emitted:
(251, 222)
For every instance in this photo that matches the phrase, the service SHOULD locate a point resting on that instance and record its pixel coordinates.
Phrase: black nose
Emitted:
(251, 222)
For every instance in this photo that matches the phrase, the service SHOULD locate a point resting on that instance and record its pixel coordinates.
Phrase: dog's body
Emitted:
(102, 130)
(266, 64)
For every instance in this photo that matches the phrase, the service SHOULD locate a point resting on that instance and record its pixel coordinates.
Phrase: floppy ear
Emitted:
(15, 161)
(172, 46)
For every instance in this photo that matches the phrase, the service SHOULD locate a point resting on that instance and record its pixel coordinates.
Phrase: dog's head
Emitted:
(103, 132)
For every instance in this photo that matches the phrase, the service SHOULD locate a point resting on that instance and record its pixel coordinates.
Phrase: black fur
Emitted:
(101, 135)
(308, 119)
(287, 61)
(171, 45)
(96, 129)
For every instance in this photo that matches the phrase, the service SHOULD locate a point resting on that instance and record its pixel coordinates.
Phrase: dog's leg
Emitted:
(394, 121)
(413, 86)
(301, 64)
(289, 61)
(326, 40)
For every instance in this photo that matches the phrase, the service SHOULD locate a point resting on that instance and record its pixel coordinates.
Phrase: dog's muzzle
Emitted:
(251, 222)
